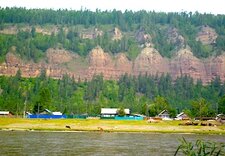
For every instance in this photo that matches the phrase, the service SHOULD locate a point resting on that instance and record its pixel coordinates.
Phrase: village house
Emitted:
(112, 112)
(5, 114)
(164, 115)
(47, 114)
(182, 116)
(220, 117)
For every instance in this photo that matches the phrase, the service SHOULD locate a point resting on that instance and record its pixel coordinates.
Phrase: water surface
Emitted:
(94, 143)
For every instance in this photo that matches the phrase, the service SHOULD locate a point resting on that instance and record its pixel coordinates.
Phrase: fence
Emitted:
(129, 118)
(46, 116)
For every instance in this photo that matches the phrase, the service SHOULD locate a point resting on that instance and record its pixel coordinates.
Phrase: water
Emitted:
(94, 143)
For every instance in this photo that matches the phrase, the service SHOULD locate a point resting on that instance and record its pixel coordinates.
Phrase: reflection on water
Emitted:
(94, 143)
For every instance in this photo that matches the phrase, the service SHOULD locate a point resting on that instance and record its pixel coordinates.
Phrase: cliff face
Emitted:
(102, 63)
(117, 34)
(215, 67)
(184, 63)
(29, 69)
(149, 61)
(59, 56)
(175, 38)
(206, 35)
(142, 37)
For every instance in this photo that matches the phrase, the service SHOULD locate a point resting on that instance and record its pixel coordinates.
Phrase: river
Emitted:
(94, 143)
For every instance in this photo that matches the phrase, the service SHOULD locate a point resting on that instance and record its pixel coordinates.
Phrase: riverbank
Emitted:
(73, 125)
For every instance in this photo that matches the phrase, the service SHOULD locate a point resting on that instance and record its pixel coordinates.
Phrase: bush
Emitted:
(121, 112)
(200, 148)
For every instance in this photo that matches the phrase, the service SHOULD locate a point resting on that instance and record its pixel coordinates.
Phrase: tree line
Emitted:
(125, 19)
(147, 95)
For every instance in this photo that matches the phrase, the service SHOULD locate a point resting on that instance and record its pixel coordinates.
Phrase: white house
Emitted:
(111, 112)
(164, 115)
(182, 116)
(47, 111)
(5, 113)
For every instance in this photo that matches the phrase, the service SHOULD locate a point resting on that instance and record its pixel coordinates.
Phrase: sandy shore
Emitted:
(74, 125)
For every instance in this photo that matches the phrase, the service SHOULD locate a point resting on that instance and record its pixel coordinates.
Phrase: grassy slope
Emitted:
(105, 125)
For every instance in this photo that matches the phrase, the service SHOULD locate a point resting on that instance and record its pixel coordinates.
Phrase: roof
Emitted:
(179, 115)
(140, 115)
(220, 115)
(28, 113)
(47, 110)
(163, 112)
(4, 112)
(113, 111)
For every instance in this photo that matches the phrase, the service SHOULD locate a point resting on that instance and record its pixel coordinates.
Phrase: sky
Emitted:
(202, 6)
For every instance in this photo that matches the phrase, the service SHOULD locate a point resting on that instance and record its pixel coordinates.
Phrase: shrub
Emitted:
(200, 148)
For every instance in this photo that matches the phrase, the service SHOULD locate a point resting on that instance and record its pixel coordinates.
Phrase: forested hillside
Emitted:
(145, 61)
(145, 95)
(64, 28)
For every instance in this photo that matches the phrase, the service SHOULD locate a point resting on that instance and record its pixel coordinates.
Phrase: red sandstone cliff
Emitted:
(149, 61)
(185, 63)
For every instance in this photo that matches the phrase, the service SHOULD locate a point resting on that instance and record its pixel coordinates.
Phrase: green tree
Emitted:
(121, 112)
(78, 104)
(18, 75)
(200, 108)
(221, 105)
(44, 101)
(33, 31)
(158, 105)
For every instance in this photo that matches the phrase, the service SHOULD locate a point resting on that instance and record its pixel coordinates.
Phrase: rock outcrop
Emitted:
(185, 63)
(215, 66)
(206, 35)
(102, 63)
(45, 31)
(13, 63)
(142, 37)
(98, 58)
(91, 34)
(11, 30)
(122, 65)
(149, 61)
(117, 34)
(59, 56)
(175, 38)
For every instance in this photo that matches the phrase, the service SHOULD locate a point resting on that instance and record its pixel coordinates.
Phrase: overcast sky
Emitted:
(203, 6)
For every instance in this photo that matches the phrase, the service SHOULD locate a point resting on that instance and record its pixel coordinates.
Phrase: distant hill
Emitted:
(84, 43)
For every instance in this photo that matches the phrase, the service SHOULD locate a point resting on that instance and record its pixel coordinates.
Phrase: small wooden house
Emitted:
(47, 114)
(220, 117)
(5, 114)
(182, 116)
(164, 114)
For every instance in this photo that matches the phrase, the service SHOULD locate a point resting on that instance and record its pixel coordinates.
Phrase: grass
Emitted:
(105, 125)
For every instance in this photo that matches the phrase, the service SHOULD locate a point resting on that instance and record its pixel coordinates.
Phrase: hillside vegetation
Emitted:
(37, 43)
(33, 31)
(147, 95)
